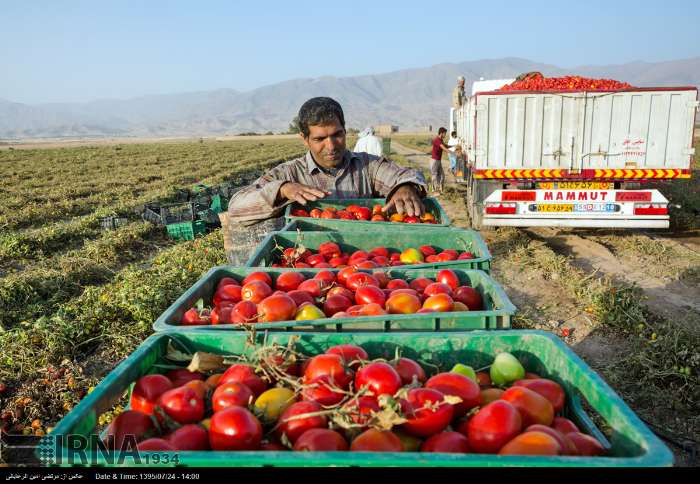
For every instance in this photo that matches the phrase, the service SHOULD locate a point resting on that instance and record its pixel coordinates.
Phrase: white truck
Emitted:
(577, 159)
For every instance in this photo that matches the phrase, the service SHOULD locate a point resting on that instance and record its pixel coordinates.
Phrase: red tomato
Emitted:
(420, 284)
(343, 274)
(315, 259)
(230, 394)
(341, 291)
(374, 440)
(258, 276)
(329, 250)
(127, 428)
(381, 251)
(437, 288)
(315, 213)
(370, 294)
(182, 404)
(242, 373)
(189, 437)
(328, 214)
(484, 379)
(293, 428)
(426, 250)
(564, 425)
(330, 365)
(255, 291)
(447, 442)
(153, 445)
(381, 261)
(426, 412)
(234, 428)
(465, 256)
(441, 303)
(397, 284)
(300, 297)
(326, 277)
(300, 212)
(363, 213)
(371, 309)
(492, 427)
(411, 219)
(146, 392)
(470, 297)
(352, 208)
(199, 387)
(460, 386)
(192, 317)
(227, 293)
(182, 375)
(445, 256)
(358, 254)
(289, 281)
(336, 304)
(345, 215)
(381, 378)
(585, 444)
(533, 407)
(243, 313)
(381, 277)
(549, 389)
(312, 286)
(276, 308)
(225, 281)
(532, 443)
(320, 440)
(407, 369)
(323, 390)
(348, 352)
(359, 279)
(566, 445)
(447, 276)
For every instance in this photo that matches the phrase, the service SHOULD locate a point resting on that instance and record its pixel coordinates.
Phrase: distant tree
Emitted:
(269, 133)
(353, 131)
(294, 126)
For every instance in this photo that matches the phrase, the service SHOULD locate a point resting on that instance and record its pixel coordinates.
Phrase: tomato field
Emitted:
(75, 299)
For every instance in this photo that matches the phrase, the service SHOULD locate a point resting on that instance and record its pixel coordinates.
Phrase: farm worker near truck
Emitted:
(369, 143)
(327, 169)
(436, 172)
(457, 100)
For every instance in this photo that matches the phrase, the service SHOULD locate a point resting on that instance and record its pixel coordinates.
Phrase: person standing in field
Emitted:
(369, 143)
(452, 143)
(437, 174)
(327, 169)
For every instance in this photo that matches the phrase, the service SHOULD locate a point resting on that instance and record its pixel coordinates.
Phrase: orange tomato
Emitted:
(533, 407)
(377, 209)
(397, 217)
(532, 443)
(441, 303)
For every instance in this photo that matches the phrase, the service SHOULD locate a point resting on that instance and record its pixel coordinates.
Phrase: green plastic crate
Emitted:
(628, 441)
(496, 315)
(431, 205)
(187, 230)
(350, 241)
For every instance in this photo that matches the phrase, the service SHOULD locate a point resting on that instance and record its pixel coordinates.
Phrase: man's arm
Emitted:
(403, 187)
(269, 194)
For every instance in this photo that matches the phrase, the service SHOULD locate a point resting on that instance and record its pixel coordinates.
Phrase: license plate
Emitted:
(555, 207)
(576, 207)
(576, 185)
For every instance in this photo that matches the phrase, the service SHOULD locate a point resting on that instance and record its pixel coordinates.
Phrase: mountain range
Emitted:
(410, 98)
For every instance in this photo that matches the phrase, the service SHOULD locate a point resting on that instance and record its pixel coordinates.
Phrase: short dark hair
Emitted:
(442, 130)
(319, 110)
(454, 133)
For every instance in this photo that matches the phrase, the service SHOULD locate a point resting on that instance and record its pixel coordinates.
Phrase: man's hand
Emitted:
(301, 193)
(406, 199)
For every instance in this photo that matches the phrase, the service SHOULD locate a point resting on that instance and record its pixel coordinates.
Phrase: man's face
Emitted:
(460, 83)
(326, 143)
(442, 136)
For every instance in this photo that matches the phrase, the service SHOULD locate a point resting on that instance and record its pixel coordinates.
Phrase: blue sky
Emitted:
(56, 51)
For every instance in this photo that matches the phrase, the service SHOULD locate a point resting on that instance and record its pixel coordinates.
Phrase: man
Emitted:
(457, 100)
(327, 169)
(369, 143)
(436, 172)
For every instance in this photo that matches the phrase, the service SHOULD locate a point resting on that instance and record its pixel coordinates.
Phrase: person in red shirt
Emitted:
(437, 174)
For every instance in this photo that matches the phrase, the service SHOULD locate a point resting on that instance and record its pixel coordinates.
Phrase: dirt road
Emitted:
(548, 273)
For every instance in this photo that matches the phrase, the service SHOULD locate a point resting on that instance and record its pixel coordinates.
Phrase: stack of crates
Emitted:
(438, 339)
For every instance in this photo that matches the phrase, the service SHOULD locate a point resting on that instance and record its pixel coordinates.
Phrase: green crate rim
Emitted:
(656, 454)
(481, 263)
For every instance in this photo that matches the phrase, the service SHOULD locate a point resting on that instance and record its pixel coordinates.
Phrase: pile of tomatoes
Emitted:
(329, 255)
(538, 82)
(356, 212)
(347, 293)
(341, 400)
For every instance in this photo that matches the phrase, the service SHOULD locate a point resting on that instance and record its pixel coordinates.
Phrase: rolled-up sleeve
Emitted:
(387, 176)
(259, 201)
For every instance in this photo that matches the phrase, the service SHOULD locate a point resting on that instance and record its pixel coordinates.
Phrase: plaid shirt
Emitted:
(360, 176)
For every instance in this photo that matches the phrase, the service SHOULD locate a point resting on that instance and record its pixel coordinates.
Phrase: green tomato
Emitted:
(506, 369)
(465, 370)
